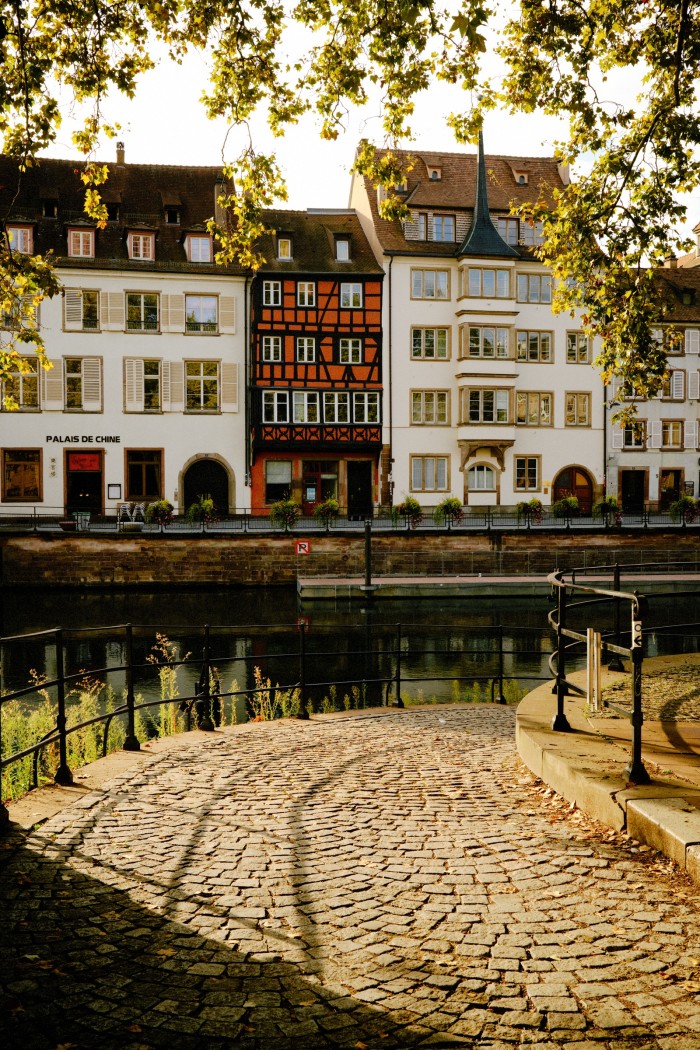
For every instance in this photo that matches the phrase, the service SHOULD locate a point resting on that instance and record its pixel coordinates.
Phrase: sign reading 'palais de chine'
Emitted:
(84, 439)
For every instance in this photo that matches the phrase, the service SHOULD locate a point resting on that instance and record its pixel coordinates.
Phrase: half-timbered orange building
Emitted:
(315, 382)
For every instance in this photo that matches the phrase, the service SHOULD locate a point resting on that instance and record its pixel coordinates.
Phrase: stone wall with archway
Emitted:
(194, 475)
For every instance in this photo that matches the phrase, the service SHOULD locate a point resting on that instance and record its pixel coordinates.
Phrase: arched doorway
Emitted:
(574, 481)
(206, 477)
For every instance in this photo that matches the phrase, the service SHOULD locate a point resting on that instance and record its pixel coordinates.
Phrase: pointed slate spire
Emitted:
(483, 237)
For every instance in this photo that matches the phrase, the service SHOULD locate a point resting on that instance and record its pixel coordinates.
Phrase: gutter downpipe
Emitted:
(391, 394)
(246, 380)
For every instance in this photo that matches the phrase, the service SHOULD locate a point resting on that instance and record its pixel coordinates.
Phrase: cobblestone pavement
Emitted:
(386, 881)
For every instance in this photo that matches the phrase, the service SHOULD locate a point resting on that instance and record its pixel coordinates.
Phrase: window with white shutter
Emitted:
(692, 340)
(694, 385)
(112, 311)
(133, 385)
(227, 314)
(52, 387)
(678, 385)
(173, 386)
(655, 433)
(229, 387)
(690, 437)
(618, 437)
(92, 384)
(172, 313)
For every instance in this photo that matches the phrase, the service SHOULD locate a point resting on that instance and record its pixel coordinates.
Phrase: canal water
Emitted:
(444, 650)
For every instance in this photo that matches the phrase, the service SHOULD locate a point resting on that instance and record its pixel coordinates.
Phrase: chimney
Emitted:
(220, 188)
(120, 153)
(671, 262)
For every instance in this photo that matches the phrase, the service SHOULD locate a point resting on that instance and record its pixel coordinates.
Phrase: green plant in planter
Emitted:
(449, 511)
(327, 512)
(410, 509)
(285, 513)
(684, 509)
(202, 510)
(566, 507)
(608, 508)
(160, 512)
(530, 510)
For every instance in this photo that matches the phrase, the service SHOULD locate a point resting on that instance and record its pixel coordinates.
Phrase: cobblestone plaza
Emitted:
(391, 879)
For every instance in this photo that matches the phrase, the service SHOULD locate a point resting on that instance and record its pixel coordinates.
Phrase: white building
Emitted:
(654, 461)
(489, 396)
(147, 342)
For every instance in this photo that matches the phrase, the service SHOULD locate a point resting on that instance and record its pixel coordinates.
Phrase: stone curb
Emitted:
(588, 769)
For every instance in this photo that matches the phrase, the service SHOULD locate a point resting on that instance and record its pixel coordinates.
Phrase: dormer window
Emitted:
(21, 239)
(112, 211)
(141, 246)
(198, 248)
(49, 210)
(521, 178)
(688, 297)
(81, 244)
(284, 247)
(342, 249)
(172, 217)
(443, 227)
(434, 173)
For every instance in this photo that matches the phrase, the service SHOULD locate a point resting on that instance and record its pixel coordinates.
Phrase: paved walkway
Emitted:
(381, 881)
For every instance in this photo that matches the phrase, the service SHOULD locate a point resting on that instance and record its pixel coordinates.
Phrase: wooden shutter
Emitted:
(173, 378)
(655, 433)
(690, 436)
(227, 314)
(692, 340)
(73, 310)
(678, 384)
(112, 311)
(92, 384)
(133, 385)
(172, 313)
(52, 387)
(694, 385)
(618, 437)
(229, 388)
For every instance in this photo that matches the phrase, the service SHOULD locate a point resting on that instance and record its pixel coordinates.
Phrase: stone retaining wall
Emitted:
(147, 561)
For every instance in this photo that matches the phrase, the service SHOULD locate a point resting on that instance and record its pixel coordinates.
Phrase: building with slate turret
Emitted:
(489, 396)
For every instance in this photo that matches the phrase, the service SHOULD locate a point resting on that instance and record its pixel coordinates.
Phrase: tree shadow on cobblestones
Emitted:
(85, 965)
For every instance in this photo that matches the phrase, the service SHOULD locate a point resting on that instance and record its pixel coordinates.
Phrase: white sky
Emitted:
(166, 124)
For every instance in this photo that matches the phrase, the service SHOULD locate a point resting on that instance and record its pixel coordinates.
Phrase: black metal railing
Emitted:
(384, 519)
(572, 596)
(380, 663)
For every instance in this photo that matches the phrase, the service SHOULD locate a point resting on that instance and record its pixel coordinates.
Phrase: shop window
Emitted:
(21, 475)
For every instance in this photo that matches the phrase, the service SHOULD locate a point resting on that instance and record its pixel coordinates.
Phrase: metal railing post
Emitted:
(368, 552)
(636, 770)
(63, 774)
(303, 706)
(501, 697)
(399, 701)
(131, 742)
(203, 702)
(616, 663)
(560, 722)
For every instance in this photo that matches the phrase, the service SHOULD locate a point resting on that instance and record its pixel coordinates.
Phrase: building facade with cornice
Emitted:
(489, 396)
(145, 399)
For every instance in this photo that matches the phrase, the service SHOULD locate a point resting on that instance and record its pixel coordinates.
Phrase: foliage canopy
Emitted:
(632, 157)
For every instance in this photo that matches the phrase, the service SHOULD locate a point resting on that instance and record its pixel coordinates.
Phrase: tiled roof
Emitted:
(677, 284)
(313, 236)
(456, 190)
(142, 193)
(140, 190)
